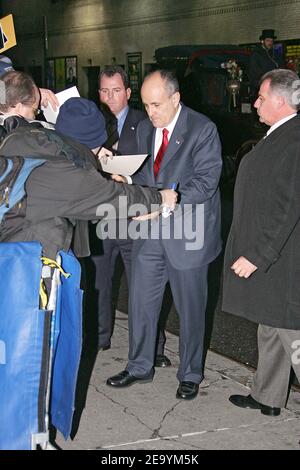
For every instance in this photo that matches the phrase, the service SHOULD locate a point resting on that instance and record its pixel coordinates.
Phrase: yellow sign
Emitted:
(7, 33)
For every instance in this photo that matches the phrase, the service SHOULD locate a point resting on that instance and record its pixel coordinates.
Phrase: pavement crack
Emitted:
(125, 409)
(156, 432)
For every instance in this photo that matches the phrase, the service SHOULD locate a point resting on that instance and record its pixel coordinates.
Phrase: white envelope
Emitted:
(124, 165)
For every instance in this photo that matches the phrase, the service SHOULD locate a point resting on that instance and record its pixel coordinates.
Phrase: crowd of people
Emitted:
(261, 265)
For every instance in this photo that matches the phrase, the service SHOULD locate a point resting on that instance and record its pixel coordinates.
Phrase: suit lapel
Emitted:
(151, 145)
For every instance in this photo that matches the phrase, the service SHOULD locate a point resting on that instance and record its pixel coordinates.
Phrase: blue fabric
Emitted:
(68, 341)
(21, 339)
(21, 344)
(18, 189)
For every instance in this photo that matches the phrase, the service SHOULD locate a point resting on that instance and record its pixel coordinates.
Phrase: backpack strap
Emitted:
(12, 181)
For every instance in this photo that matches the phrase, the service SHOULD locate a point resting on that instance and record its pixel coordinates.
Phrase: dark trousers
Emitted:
(104, 267)
(150, 272)
(104, 271)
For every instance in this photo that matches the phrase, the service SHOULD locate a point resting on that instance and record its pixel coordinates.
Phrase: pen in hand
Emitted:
(165, 210)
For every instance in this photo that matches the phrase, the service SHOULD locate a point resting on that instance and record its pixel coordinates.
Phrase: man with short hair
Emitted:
(185, 154)
(262, 262)
(122, 122)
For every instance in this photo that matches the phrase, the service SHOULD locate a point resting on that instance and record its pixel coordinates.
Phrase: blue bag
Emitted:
(25, 333)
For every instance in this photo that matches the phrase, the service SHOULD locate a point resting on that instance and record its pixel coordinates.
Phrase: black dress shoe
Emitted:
(187, 390)
(124, 379)
(249, 402)
(162, 361)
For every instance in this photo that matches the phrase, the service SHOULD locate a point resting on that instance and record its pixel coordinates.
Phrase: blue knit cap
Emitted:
(81, 119)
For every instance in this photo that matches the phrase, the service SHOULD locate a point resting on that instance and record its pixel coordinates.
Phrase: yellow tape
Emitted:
(53, 264)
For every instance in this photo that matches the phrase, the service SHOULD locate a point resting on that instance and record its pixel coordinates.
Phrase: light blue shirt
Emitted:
(121, 118)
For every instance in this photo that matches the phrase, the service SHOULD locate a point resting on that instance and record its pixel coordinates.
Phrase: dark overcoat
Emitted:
(266, 230)
(261, 61)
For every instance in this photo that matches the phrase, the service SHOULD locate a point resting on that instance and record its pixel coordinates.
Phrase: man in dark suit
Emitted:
(186, 154)
(122, 121)
(262, 262)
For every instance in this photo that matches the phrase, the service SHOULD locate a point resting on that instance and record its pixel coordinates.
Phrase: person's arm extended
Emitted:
(60, 189)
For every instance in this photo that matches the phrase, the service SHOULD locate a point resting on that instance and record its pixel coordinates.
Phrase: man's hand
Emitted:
(119, 178)
(169, 198)
(103, 154)
(47, 96)
(243, 268)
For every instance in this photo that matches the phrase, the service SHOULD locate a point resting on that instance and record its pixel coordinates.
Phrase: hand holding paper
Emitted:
(62, 96)
(48, 97)
(123, 164)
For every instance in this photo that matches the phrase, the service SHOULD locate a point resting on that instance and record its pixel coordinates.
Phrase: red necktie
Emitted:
(161, 152)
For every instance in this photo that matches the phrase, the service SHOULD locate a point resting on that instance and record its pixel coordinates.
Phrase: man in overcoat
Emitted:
(262, 258)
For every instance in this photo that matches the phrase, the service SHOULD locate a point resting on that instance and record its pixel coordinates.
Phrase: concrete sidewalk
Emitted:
(148, 416)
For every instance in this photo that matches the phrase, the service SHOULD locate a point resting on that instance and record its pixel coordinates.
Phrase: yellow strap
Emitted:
(43, 295)
(53, 264)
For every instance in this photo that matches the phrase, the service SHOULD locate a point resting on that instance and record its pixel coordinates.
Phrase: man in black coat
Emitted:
(262, 60)
(262, 261)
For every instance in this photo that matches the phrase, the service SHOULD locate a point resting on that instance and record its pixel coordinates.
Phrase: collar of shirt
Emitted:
(121, 118)
(279, 123)
(169, 127)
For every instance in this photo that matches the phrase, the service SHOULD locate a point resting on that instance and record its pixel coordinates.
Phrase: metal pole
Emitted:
(45, 28)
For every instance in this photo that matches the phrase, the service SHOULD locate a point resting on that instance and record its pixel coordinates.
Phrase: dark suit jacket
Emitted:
(266, 231)
(193, 161)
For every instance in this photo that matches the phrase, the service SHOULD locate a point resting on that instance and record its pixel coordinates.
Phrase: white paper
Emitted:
(62, 96)
(124, 165)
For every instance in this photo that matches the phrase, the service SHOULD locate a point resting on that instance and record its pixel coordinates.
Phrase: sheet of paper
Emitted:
(62, 96)
(124, 165)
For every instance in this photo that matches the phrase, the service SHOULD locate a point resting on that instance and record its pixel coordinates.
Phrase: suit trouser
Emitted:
(279, 350)
(150, 272)
(104, 271)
